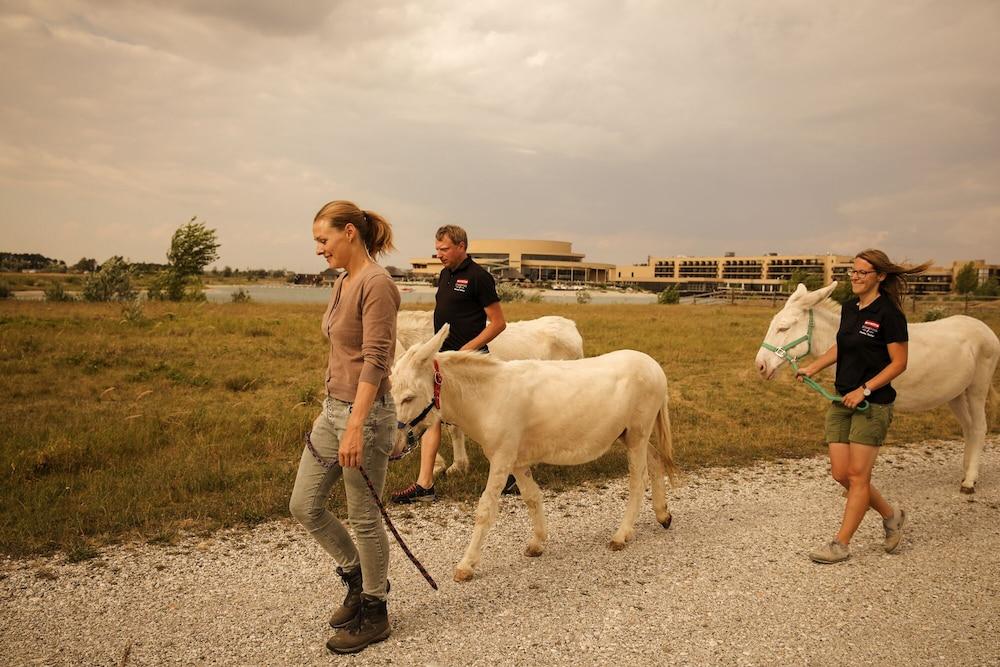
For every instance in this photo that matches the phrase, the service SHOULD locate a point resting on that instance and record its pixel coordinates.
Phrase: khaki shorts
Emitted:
(868, 427)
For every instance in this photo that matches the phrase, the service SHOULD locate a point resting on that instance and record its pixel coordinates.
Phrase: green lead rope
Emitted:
(783, 352)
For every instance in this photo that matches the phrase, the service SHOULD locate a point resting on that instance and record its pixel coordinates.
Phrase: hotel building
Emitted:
(518, 259)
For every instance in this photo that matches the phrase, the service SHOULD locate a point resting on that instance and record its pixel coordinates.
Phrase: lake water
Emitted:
(409, 294)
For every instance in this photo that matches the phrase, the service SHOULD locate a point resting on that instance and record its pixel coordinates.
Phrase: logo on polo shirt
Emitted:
(869, 328)
(462, 285)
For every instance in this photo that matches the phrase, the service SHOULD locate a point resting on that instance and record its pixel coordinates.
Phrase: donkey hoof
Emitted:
(615, 545)
(463, 574)
(533, 551)
(968, 489)
(666, 522)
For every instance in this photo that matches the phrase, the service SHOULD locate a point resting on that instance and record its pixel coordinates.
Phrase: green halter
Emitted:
(793, 361)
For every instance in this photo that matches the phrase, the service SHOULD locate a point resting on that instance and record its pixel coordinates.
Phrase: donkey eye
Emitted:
(782, 329)
(405, 400)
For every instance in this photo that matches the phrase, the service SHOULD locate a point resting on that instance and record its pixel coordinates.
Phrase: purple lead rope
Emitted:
(381, 508)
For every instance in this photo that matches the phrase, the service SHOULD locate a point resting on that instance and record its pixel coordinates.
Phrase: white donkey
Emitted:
(549, 337)
(555, 412)
(950, 361)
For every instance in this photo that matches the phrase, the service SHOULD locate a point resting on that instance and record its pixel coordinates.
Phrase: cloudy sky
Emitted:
(629, 128)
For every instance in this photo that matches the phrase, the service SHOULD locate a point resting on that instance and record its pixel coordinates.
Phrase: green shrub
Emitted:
(509, 292)
(934, 314)
(240, 296)
(670, 295)
(6, 292)
(583, 296)
(842, 293)
(132, 311)
(55, 292)
(112, 282)
(536, 297)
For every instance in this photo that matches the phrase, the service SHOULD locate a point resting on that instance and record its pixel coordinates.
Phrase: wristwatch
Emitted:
(865, 390)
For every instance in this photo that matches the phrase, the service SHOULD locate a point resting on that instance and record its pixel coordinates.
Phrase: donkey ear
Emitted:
(800, 292)
(428, 349)
(810, 299)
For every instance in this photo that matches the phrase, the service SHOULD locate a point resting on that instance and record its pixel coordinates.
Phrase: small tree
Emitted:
(671, 294)
(990, 288)
(112, 282)
(192, 248)
(583, 296)
(842, 293)
(811, 280)
(6, 292)
(967, 279)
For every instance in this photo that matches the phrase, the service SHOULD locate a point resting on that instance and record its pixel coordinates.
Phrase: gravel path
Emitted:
(729, 583)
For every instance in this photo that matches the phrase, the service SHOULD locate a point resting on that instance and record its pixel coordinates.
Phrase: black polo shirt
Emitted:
(462, 297)
(862, 345)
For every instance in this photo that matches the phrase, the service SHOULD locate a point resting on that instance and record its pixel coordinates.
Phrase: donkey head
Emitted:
(791, 323)
(413, 386)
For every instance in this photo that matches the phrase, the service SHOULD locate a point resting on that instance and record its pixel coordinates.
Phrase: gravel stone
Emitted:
(729, 583)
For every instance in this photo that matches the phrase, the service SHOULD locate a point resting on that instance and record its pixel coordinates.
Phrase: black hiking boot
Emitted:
(352, 601)
(371, 625)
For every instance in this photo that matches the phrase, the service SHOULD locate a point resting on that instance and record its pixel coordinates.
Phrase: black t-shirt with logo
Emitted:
(462, 297)
(862, 345)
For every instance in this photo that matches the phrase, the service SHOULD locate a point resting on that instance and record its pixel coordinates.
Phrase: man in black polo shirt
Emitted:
(467, 300)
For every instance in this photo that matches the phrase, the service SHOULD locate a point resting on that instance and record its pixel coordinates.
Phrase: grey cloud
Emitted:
(643, 128)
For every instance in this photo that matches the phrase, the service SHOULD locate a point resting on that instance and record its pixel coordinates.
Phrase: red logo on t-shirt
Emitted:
(871, 324)
(462, 281)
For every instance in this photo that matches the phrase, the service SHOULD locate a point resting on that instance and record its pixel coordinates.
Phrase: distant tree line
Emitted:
(15, 261)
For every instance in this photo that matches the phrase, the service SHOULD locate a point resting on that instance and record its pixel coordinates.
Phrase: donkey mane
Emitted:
(474, 363)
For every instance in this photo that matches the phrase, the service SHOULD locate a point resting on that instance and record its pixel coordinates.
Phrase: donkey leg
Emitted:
(963, 413)
(656, 474)
(486, 515)
(975, 438)
(532, 497)
(460, 458)
(636, 443)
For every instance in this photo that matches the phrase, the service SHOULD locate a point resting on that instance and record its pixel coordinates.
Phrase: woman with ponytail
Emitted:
(358, 420)
(871, 350)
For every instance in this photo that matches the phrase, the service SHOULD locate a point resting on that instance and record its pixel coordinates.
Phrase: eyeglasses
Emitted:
(860, 273)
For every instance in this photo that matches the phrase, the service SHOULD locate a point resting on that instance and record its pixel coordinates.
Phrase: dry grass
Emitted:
(193, 418)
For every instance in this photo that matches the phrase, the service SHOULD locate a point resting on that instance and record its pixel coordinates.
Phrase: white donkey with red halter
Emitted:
(548, 337)
(532, 411)
(950, 361)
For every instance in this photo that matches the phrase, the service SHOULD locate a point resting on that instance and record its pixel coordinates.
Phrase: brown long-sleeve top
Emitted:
(360, 323)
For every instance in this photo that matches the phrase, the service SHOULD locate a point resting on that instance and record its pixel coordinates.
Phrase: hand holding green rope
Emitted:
(793, 362)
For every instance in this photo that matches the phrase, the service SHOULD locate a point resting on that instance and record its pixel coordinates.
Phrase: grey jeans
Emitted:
(314, 482)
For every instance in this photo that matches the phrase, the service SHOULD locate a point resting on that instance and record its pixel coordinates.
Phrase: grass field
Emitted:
(192, 418)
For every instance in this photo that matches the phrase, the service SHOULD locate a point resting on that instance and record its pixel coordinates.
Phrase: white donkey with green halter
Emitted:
(950, 361)
(540, 411)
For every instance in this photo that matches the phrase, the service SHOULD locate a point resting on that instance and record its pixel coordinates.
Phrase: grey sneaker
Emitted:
(894, 528)
(834, 552)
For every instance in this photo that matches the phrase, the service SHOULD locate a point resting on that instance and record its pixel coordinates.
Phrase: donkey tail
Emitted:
(665, 442)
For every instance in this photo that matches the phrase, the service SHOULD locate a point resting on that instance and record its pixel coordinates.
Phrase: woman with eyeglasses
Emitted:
(871, 351)
(353, 434)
